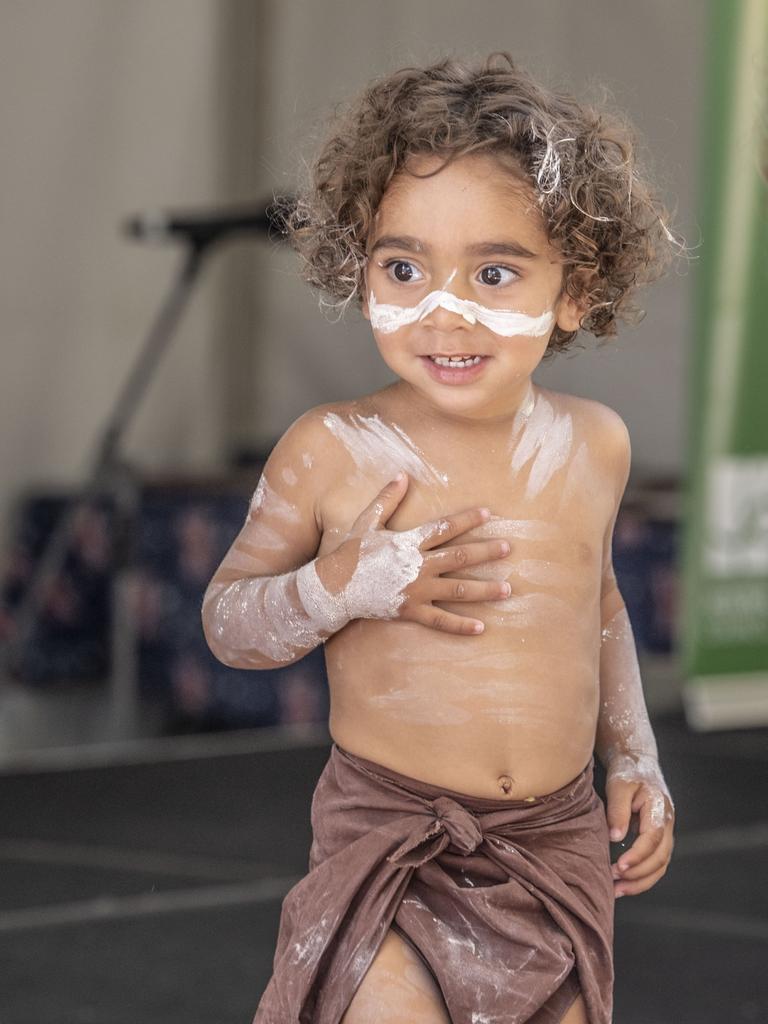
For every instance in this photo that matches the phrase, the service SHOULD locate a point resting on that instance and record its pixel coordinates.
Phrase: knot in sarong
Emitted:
(452, 825)
(462, 826)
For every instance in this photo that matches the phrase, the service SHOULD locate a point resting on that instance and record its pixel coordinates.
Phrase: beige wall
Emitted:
(111, 107)
(106, 108)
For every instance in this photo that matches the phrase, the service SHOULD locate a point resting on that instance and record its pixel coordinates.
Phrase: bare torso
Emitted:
(513, 711)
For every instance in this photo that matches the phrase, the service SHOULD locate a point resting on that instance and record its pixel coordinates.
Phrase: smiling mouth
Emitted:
(456, 361)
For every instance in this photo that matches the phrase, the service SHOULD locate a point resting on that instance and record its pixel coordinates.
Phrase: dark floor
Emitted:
(151, 892)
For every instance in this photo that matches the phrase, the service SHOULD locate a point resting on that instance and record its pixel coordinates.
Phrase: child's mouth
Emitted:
(456, 369)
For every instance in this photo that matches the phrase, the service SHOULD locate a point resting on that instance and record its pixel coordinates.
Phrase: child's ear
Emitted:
(568, 314)
(569, 311)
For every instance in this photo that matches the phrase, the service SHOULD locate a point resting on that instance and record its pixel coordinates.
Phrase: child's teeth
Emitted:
(446, 361)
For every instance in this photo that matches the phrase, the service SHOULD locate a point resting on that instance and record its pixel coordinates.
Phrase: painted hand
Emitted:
(383, 573)
(635, 785)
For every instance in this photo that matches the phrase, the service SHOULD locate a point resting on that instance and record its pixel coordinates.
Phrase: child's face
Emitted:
(426, 239)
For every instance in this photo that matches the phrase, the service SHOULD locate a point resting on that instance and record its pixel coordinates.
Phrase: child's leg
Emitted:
(397, 989)
(576, 1013)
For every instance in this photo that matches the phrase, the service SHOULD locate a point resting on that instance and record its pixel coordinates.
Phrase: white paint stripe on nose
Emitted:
(506, 322)
(450, 302)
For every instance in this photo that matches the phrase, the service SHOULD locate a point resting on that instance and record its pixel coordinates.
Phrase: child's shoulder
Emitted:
(313, 437)
(312, 426)
(601, 427)
(595, 418)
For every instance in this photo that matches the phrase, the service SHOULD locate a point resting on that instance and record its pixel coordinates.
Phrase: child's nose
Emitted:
(448, 314)
(444, 319)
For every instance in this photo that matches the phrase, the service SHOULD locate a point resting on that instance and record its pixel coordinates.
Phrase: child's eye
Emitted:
(403, 270)
(493, 275)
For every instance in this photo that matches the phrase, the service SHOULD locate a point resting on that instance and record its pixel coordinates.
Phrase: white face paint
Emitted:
(386, 317)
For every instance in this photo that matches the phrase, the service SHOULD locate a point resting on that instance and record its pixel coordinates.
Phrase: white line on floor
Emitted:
(753, 836)
(719, 748)
(712, 921)
(155, 862)
(270, 889)
(165, 748)
(108, 908)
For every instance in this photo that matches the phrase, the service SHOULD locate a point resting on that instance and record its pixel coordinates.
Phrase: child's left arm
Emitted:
(625, 742)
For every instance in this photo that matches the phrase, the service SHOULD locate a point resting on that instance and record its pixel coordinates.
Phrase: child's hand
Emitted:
(634, 784)
(395, 574)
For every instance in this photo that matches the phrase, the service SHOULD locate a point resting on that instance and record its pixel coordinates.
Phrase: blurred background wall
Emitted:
(111, 108)
(106, 108)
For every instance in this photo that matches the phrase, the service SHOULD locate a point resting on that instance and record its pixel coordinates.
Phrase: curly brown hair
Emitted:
(599, 210)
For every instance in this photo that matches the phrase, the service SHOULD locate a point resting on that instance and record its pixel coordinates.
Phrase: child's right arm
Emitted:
(271, 601)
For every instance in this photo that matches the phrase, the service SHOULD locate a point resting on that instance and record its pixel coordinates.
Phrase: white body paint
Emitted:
(414, 705)
(267, 499)
(547, 439)
(376, 446)
(518, 529)
(633, 755)
(579, 470)
(509, 323)
(387, 563)
(281, 617)
(260, 615)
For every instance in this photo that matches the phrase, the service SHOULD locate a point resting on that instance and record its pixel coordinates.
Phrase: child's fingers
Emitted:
(652, 846)
(458, 556)
(644, 846)
(444, 622)
(447, 528)
(633, 888)
(658, 859)
(377, 512)
(619, 793)
(638, 860)
(468, 590)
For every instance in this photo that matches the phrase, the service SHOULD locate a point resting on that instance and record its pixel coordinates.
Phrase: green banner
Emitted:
(724, 624)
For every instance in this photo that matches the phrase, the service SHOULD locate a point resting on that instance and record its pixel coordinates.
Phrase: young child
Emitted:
(448, 539)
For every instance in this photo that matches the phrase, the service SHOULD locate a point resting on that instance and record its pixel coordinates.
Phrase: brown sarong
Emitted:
(509, 902)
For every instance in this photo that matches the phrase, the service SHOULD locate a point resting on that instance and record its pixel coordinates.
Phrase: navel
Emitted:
(505, 781)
